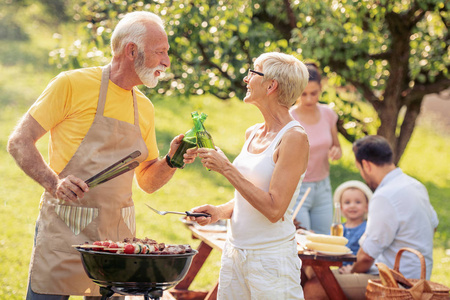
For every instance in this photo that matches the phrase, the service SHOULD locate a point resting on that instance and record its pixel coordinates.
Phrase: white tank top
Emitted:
(250, 229)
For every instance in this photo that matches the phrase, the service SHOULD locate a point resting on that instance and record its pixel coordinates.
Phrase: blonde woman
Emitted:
(260, 259)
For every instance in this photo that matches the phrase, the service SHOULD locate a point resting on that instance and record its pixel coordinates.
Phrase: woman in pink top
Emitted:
(319, 122)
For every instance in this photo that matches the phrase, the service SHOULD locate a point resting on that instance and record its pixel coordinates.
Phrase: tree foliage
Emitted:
(391, 52)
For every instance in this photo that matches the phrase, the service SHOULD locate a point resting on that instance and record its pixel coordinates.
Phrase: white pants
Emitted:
(269, 273)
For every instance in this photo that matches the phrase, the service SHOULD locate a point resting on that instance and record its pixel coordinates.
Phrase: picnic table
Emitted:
(213, 240)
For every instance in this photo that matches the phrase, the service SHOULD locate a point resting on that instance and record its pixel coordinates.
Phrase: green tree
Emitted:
(15, 13)
(392, 52)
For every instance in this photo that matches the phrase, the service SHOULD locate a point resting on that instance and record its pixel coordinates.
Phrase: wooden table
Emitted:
(321, 265)
(211, 240)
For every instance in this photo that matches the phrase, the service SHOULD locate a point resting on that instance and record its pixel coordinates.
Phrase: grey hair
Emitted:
(132, 29)
(290, 73)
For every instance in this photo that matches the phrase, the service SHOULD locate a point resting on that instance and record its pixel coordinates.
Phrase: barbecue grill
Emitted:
(135, 274)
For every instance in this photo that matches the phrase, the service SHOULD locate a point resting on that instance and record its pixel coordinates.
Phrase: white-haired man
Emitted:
(96, 116)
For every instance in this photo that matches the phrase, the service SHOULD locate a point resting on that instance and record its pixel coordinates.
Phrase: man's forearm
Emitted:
(361, 267)
(21, 146)
(363, 262)
(33, 164)
(152, 175)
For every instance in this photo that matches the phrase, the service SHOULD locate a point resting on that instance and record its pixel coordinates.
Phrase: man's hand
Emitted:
(189, 156)
(70, 189)
(175, 143)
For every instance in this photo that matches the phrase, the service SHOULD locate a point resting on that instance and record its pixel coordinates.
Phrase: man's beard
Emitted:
(146, 75)
(370, 182)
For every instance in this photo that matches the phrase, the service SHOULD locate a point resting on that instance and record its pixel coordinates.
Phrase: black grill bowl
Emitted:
(135, 273)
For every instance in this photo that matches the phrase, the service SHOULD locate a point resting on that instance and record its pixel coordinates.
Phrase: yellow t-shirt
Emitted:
(68, 105)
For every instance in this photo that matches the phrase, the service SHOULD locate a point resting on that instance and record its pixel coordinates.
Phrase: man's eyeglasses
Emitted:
(255, 72)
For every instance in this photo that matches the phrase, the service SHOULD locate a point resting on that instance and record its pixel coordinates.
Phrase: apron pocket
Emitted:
(128, 216)
(76, 217)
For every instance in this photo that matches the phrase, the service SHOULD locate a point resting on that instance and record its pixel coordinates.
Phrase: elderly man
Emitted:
(96, 116)
(400, 215)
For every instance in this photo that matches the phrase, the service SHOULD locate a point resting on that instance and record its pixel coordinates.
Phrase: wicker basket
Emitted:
(408, 288)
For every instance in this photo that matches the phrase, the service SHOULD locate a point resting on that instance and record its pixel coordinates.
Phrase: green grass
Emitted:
(194, 186)
(24, 74)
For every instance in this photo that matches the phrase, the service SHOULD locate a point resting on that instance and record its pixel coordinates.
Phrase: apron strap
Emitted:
(103, 90)
(136, 112)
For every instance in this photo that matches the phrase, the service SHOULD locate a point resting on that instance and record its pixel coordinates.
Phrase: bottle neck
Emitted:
(198, 122)
(337, 213)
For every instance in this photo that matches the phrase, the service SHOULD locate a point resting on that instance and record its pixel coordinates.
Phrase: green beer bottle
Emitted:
(204, 139)
(189, 141)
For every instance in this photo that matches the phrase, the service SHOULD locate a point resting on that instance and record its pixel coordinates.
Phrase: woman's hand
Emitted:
(190, 155)
(214, 160)
(335, 153)
(214, 211)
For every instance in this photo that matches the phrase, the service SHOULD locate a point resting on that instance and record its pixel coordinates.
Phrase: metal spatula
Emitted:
(186, 213)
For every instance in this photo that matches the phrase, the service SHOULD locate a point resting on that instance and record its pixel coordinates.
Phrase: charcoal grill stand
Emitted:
(153, 293)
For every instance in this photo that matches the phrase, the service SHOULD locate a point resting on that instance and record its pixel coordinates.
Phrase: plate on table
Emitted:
(333, 253)
(301, 240)
(219, 226)
(186, 221)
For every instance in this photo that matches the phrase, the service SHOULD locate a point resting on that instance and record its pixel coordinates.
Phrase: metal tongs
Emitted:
(114, 170)
(186, 213)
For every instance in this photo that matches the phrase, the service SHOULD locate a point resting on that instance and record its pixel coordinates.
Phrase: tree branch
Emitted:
(290, 13)
(383, 55)
(445, 21)
(420, 90)
(343, 131)
(417, 18)
(411, 17)
(339, 66)
(244, 48)
(283, 28)
(207, 62)
(407, 128)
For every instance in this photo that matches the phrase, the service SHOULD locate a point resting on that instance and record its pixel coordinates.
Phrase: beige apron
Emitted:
(105, 212)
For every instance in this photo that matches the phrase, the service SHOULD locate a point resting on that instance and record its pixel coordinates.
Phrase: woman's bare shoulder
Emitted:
(297, 135)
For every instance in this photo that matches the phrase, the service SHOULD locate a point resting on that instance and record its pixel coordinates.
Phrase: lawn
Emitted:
(424, 159)
(194, 186)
